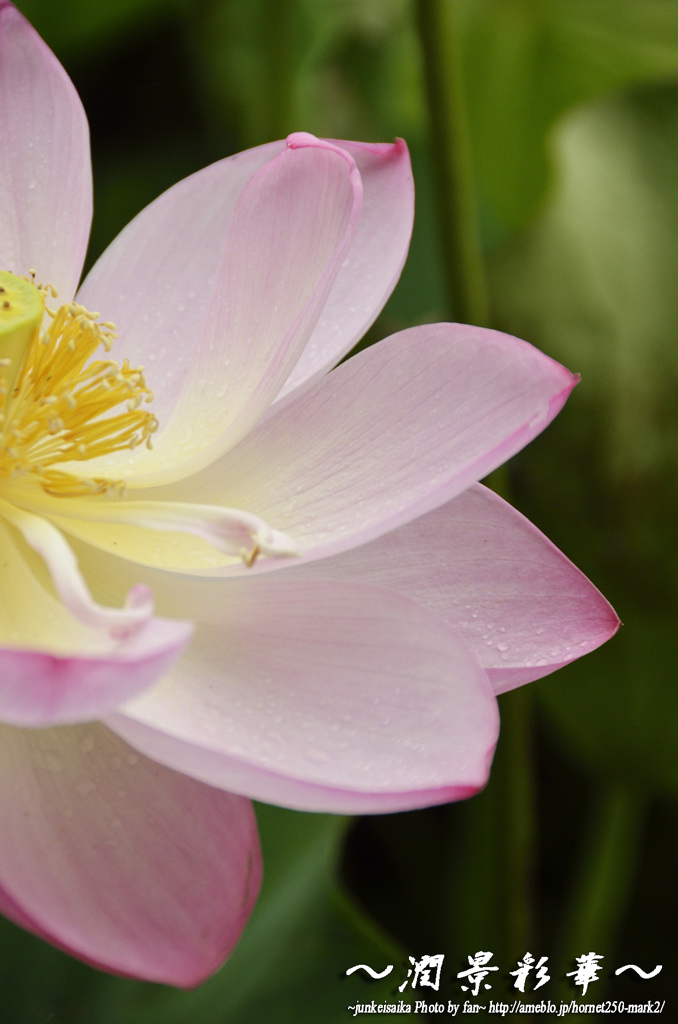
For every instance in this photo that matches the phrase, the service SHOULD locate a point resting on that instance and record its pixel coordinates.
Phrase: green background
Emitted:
(544, 138)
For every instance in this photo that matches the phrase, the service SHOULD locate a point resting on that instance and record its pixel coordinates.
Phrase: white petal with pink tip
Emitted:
(518, 602)
(389, 435)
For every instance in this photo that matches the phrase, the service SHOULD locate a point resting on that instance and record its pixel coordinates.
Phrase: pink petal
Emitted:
(319, 696)
(519, 603)
(45, 171)
(285, 243)
(372, 267)
(389, 435)
(156, 280)
(120, 861)
(155, 276)
(53, 669)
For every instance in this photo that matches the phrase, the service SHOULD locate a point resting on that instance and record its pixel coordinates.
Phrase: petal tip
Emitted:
(304, 140)
(297, 140)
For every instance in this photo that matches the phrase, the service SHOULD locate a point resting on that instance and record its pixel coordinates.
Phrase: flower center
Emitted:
(58, 405)
(55, 404)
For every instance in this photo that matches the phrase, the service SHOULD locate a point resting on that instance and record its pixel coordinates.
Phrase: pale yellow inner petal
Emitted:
(31, 616)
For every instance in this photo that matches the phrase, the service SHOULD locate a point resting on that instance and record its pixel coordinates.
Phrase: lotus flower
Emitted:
(338, 600)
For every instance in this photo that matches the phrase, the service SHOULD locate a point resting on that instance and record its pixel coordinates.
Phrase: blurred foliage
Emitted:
(80, 27)
(528, 61)
(339, 68)
(572, 109)
(593, 282)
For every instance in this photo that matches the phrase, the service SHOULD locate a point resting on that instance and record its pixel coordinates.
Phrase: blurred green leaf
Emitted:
(529, 61)
(597, 275)
(594, 284)
(336, 68)
(71, 25)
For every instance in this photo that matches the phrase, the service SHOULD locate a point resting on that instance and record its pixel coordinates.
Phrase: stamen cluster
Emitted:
(61, 408)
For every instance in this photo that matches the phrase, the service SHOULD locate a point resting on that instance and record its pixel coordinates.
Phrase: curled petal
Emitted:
(69, 582)
(45, 170)
(156, 278)
(236, 535)
(54, 669)
(286, 240)
(120, 861)
(319, 696)
(520, 604)
(39, 689)
(373, 263)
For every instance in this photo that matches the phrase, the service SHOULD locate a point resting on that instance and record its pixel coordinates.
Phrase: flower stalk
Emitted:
(452, 166)
(606, 872)
(514, 826)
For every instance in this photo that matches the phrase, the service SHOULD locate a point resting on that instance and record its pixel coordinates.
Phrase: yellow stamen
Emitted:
(59, 404)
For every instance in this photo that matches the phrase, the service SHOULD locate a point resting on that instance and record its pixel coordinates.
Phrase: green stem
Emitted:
(491, 842)
(517, 823)
(444, 81)
(278, 36)
(604, 878)
(507, 810)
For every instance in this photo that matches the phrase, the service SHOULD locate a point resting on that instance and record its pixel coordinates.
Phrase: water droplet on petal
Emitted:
(316, 755)
(85, 786)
